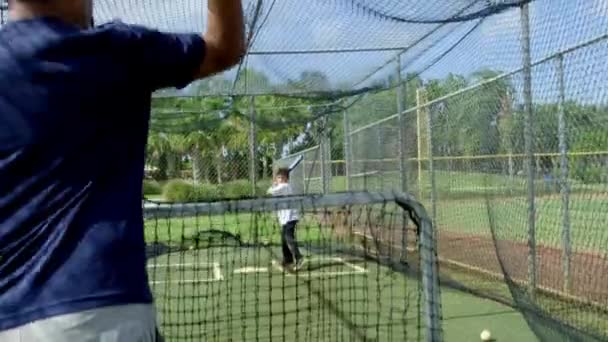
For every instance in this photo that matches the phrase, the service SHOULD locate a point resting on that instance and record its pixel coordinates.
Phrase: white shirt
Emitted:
(284, 215)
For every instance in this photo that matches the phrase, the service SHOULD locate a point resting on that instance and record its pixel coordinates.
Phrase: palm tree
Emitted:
(157, 149)
(196, 144)
(177, 149)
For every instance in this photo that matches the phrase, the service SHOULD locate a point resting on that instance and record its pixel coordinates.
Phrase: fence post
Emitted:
(401, 92)
(329, 159)
(323, 153)
(252, 147)
(419, 139)
(564, 185)
(401, 89)
(529, 147)
(347, 146)
(380, 166)
(429, 137)
(304, 168)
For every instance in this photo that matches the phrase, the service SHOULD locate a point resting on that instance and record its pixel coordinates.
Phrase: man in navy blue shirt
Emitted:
(74, 111)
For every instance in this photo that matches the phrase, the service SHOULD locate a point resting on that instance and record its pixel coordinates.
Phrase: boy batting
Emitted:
(288, 219)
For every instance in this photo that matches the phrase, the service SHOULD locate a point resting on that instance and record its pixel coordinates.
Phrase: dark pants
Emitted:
(159, 336)
(291, 252)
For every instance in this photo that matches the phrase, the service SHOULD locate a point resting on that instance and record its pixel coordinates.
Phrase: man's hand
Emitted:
(225, 37)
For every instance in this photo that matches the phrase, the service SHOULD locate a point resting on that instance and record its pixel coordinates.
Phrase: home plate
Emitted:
(251, 270)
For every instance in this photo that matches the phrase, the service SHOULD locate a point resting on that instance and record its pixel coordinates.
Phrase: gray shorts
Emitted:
(121, 323)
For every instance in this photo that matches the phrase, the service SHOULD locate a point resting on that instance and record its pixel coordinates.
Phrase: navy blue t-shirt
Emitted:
(74, 112)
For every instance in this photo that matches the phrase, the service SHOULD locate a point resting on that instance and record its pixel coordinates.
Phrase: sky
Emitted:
(338, 24)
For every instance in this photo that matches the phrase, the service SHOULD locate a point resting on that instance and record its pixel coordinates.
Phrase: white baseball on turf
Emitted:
(191, 247)
(486, 335)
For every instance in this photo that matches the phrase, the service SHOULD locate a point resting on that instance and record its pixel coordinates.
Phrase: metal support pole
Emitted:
(323, 153)
(401, 92)
(304, 175)
(329, 159)
(380, 165)
(347, 147)
(431, 246)
(429, 136)
(252, 147)
(430, 281)
(419, 139)
(529, 148)
(401, 96)
(564, 185)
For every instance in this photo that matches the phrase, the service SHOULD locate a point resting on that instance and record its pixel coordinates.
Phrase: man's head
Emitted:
(77, 12)
(282, 175)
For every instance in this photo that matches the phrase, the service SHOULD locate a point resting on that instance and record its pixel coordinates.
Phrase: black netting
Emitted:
(330, 51)
(216, 270)
(492, 113)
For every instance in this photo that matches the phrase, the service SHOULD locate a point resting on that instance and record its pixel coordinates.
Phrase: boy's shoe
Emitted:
(287, 265)
(299, 264)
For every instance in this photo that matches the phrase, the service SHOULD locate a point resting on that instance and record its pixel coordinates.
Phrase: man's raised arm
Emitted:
(225, 37)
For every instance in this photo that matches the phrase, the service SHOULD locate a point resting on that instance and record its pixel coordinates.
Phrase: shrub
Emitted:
(179, 191)
(588, 172)
(182, 191)
(242, 188)
(236, 189)
(262, 187)
(590, 169)
(206, 192)
(152, 188)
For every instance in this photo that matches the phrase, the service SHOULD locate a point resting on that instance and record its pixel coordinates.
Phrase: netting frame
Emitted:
(426, 246)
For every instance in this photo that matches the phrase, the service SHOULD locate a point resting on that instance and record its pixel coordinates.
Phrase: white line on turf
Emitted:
(217, 272)
(357, 269)
(214, 266)
(182, 265)
(251, 270)
(184, 281)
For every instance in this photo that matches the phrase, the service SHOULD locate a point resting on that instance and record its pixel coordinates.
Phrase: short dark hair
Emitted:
(283, 171)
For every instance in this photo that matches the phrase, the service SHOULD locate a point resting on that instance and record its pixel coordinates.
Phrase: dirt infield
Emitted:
(588, 271)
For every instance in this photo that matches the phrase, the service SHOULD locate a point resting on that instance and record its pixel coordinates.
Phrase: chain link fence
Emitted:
(514, 171)
(232, 149)
(307, 176)
(512, 166)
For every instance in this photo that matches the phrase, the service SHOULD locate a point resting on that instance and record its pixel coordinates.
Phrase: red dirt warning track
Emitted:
(588, 271)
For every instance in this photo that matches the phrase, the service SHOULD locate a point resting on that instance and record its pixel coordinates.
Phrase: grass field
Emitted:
(461, 206)
(238, 293)
(340, 304)
(588, 217)
(223, 294)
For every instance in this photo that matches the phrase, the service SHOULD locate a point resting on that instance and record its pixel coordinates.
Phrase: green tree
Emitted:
(158, 150)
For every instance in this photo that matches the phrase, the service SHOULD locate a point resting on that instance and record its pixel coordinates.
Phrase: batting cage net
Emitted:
(368, 269)
(492, 113)
(322, 53)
